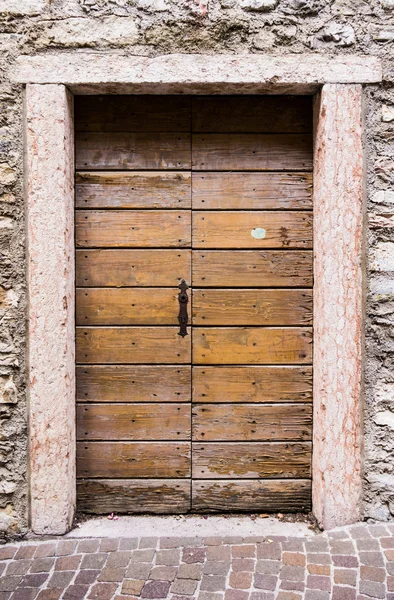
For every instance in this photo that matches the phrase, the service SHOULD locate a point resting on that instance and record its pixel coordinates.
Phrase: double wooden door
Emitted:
(215, 191)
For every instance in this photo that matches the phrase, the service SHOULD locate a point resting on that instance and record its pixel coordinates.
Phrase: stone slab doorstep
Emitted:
(188, 526)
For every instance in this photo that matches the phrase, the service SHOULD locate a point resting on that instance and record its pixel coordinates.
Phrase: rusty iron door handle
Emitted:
(183, 315)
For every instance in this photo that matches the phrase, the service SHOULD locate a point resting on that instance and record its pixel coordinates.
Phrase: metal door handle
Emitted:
(183, 317)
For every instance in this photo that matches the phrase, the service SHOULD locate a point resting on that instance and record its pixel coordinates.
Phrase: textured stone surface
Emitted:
(95, 73)
(77, 32)
(49, 151)
(259, 5)
(338, 305)
(27, 7)
(293, 27)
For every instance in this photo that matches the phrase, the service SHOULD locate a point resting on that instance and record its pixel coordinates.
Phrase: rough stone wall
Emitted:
(154, 27)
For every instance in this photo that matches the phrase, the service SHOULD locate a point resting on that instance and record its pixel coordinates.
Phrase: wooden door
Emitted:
(216, 191)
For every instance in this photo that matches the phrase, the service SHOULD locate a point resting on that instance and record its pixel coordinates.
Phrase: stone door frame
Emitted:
(339, 231)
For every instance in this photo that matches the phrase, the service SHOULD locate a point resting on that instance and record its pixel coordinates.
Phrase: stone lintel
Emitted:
(50, 223)
(94, 73)
(338, 305)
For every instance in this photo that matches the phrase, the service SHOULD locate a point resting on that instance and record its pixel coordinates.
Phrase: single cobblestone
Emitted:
(86, 546)
(216, 568)
(243, 564)
(139, 570)
(265, 582)
(354, 563)
(319, 569)
(240, 580)
(183, 586)
(268, 566)
(345, 576)
(168, 557)
(193, 555)
(164, 573)
(132, 586)
(213, 583)
(192, 571)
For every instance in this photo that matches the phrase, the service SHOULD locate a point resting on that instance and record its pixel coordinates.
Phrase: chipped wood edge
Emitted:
(339, 176)
(49, 140)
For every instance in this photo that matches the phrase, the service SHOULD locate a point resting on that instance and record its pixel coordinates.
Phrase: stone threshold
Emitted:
(190, 526)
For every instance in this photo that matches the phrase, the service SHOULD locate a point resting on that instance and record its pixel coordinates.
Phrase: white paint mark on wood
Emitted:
(259, 233)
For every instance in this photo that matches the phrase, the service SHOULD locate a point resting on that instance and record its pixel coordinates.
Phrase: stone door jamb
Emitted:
(338, 252)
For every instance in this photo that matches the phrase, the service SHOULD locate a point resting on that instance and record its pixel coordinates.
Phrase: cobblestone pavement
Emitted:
(353, 563)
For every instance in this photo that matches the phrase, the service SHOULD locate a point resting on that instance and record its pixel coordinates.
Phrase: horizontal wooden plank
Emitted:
(131, 496)
(253, 345)
(136, 345)
(257, 229)
(249, 460)
(149, 383)
(252, 307)
(137, 228)
(252, 384)
(158, 189)
(137, 268)
(254, 422)
(252, 496)
(251, 152)
(252, 190)
(132, 113)
(134, 151)
(133, 422)
(133, 459)
(127, 306)
(252, 268)
(266, 114)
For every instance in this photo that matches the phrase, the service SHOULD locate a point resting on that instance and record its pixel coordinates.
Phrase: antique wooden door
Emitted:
(215, 191)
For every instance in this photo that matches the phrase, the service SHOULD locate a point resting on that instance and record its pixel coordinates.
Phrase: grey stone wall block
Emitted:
(22, 7)
(259, 5)
(341, 34)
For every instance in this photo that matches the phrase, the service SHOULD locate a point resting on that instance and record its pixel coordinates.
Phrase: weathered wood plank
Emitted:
(252, 190)
(134, 151)
(252, 268)
(252, 345)
(250, 460)
(133, 496)
(149, 383)
(133, 459)
(133, 422)
(132, 267)
(127, 306)
(252, 384)
(132, 113)
(137, 228)
(144, 189)
(252, 307)
(264, 114)
(252, 152)
(252, 496)
(111, 345)
(257, 229)
(254, 422)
